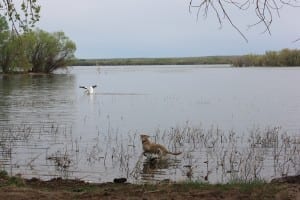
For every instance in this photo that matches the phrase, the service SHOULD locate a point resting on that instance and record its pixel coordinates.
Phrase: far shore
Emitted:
(207, 60)
(233, 61)
(284, 58)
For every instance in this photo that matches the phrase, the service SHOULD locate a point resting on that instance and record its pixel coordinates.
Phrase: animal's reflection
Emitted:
(153, 167)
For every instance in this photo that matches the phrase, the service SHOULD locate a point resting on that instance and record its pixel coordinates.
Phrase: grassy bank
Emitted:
(155, 61)
(18, 188)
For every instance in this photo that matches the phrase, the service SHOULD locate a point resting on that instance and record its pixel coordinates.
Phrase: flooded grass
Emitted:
(209, 155)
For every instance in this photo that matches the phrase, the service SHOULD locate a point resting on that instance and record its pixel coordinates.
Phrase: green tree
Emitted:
(11, 51)
(270, 58)
(288, 57)
(3, 29)
(285, 57)
(36, 51)
(48, 52)
(12, 55)
(4, 35)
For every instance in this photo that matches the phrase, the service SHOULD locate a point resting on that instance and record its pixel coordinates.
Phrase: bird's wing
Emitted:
(83, 87)
(94, 86)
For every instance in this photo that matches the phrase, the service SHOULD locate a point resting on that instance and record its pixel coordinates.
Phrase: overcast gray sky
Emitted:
(161, 28)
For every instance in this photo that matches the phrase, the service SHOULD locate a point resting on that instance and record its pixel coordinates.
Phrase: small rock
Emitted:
(120, 180)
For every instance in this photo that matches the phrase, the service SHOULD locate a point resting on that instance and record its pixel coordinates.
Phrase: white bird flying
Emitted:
(90, 89)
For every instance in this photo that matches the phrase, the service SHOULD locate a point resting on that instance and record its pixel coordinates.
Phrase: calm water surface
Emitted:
(49, 127)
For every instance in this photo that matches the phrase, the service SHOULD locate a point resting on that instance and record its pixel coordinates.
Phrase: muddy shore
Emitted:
(17, 188)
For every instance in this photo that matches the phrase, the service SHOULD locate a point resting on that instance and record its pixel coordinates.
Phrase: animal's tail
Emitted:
(176, 153)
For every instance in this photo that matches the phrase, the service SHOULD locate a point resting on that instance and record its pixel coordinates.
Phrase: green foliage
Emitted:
(240, 185)
(285, 57)
(4, 33)
(16, 181)
(245, 185)
(270, 58)
(3, 174)
(12, 55)
(3, 24)
(48, 52)
(4, 36)
(22, 15)
(289, 57)
(10, 180)
(34, 51)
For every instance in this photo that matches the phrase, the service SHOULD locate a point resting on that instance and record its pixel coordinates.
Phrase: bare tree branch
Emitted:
(263, 9)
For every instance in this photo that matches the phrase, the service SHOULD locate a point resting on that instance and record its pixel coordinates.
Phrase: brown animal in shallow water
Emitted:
(153, 148)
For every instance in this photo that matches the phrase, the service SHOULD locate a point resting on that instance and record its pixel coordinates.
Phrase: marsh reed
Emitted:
(209, 154)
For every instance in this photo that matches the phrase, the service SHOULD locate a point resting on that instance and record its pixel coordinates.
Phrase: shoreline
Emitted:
(62, 189)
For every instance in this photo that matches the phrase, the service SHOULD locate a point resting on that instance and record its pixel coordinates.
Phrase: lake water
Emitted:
(50, 128)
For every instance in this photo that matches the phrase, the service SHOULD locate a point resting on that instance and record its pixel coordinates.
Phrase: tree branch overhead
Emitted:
(264, 10)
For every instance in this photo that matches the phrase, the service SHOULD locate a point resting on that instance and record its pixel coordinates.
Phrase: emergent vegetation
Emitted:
(34, 51)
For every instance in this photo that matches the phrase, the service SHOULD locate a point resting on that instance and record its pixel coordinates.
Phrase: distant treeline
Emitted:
(285, 57)
(155, 61)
